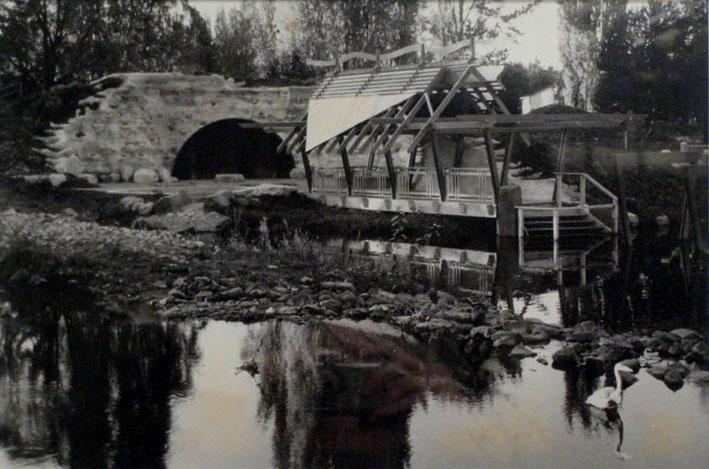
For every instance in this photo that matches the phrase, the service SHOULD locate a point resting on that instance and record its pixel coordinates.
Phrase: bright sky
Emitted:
(539, 39)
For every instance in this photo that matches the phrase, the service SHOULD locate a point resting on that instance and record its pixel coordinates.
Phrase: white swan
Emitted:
(609, 396)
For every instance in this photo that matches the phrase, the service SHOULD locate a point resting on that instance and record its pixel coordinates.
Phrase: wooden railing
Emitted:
(330, 180)
(463, 184)
(592, 199)
(469, 184)
(417, 183)
(372, 182)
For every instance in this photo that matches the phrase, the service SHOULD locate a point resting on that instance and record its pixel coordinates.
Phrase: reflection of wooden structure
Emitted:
(599, 255)
(372, 108)
(468, 270)
(694, 228)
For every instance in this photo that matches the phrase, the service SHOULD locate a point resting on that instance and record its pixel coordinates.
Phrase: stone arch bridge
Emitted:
(142, 120)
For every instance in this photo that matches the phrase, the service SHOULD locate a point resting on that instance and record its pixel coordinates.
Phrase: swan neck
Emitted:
(618, 381)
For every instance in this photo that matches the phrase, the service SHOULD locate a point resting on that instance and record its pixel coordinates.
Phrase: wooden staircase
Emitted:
(570, 225)
(590, 211)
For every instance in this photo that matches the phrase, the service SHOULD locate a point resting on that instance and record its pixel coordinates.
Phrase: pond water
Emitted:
(655, 284)
(319, 394)
(82, 390)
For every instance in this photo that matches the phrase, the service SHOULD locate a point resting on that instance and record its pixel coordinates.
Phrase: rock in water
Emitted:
(127, 203)
(565, 358)
(520, 351)
(684, 333)
(673, 379)
(172, 203)
(627, 379)
(145, 176)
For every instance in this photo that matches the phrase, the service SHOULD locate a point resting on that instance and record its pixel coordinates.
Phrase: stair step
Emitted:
(561, 223)
(566, 230)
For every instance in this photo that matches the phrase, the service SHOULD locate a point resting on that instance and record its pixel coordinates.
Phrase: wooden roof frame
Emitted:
(451, 78)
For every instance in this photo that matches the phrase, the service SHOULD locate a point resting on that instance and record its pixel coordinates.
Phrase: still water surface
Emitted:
(81, 390)
(337, 393)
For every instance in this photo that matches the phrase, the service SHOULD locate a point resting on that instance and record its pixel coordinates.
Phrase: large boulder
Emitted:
(171, 203)
(145, 176)
(219, 202)
(69, 165)
(57, 180)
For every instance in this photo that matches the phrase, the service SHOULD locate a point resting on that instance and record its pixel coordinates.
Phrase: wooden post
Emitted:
(622, 203)
(559, 166)
(439, 168)
(308, 169)
(508, 157)
(391, 171)
(348, 169)
(459, 152)
(555, 234)
(693, 218)
(412, 158)
(493, 166)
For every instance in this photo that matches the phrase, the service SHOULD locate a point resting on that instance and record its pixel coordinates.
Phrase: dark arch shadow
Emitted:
(225, 146)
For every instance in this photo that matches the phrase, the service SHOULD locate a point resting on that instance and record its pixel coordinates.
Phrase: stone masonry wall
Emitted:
(142, 123)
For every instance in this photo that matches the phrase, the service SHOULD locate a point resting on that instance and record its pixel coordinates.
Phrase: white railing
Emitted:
(417, 183)
(372, 182)
(592, 199)
(466, 184)
(463, 184)
(330, 180)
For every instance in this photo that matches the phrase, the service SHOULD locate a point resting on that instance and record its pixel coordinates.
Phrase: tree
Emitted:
(458, 20)
(654, 61)
(50, 42)
(583, 23)
(327, 29)
(521, 81)
(234, 38)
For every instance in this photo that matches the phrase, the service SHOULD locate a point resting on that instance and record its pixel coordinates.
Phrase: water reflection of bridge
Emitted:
(483, 272)
(467, 270)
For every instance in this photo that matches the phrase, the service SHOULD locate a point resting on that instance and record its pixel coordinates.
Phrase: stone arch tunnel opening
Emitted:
(225, 147)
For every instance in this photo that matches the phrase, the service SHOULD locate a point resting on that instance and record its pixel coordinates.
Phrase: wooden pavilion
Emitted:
(371, 109)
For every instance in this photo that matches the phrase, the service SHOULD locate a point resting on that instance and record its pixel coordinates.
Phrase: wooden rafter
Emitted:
(442, 106)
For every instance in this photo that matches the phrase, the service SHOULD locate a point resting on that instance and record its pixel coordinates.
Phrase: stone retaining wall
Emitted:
(142, 123)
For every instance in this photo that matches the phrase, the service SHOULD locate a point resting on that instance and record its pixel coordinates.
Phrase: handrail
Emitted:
(593, 181)
(440, 51)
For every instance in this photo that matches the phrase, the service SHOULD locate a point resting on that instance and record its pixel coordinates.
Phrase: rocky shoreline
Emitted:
(182, 277)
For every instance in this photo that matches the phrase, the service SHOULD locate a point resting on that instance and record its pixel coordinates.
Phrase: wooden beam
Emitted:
(391, 172)
(382, 130)
(385, 130)
(559, 166)
(412, 113)
(622, 203)
(459, 152)
(299, 138)
(438, 164)
(442, 106)
(348, 169)
(307, 168)
(508, 157)
(412, 158)
(493, 166)
(693, 212)
(499, 103)
(363, 132)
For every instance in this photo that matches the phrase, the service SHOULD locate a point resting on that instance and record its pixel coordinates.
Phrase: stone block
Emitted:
(56, 180)
(145, 176)
(229, 177)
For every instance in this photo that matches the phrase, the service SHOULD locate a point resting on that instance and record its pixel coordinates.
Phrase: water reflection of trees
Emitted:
(340, 396)
(88, 390)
